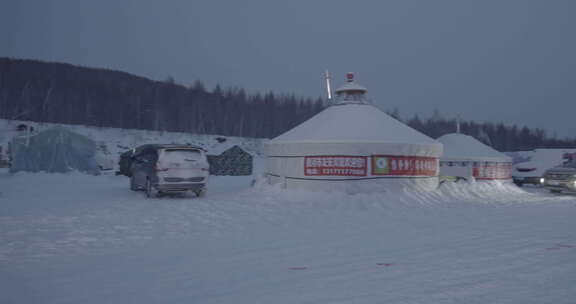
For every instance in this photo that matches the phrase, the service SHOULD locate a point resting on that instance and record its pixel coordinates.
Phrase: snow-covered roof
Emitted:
(353, 123)
(363, 128)
(464, 147)
(351, 92)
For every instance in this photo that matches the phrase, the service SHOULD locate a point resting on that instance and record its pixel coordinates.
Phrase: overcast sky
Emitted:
(488, 60)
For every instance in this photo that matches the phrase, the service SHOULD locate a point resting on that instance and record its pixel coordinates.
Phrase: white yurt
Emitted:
(464, 156)
(353, 147)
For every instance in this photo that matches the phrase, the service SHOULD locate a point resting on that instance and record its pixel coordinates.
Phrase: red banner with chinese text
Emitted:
(335, 165)
(492, 170)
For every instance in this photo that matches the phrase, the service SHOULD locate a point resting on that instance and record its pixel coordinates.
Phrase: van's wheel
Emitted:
(200, 193)
(150, 191)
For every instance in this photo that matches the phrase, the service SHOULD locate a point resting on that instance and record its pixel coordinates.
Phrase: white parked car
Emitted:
(532, 171)
(158, 169)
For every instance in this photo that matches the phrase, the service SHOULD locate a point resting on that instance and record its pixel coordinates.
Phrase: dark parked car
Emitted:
(158, 169)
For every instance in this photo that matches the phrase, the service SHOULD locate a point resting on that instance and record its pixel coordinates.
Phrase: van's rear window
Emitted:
(179, 155)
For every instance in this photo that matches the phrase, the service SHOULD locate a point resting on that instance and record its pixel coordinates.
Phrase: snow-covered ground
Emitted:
(73, 238)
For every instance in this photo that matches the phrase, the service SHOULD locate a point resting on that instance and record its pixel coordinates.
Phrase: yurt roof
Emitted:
(353, 123)
(464, 147)
(353, 126)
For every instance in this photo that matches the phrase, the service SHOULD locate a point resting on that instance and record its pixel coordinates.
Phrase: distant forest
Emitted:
(500, 136)
(63, 93)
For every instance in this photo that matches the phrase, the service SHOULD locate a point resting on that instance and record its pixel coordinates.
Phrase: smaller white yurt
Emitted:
(466, 157)
(353, 147)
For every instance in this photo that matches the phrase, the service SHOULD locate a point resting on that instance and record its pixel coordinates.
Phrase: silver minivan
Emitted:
(159, 169)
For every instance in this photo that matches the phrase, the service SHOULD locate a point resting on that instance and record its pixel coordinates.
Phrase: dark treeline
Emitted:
(500, 136)
(63, 93)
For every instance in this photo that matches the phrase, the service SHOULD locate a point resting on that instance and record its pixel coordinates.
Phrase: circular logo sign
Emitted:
(382, 163)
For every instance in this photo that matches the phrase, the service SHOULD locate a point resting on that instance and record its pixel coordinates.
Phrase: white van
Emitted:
(158, 169)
